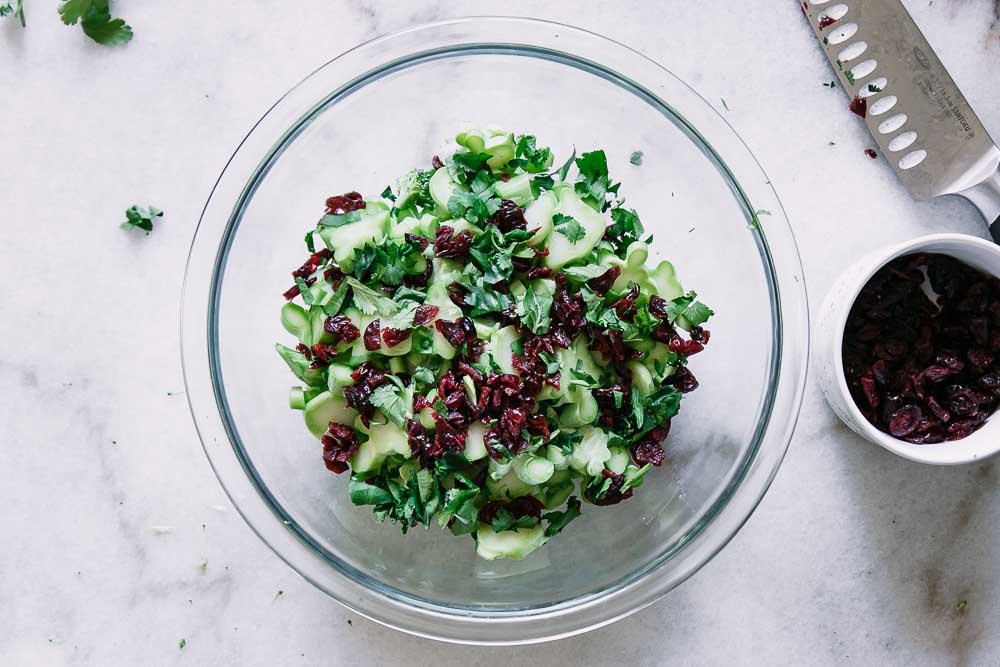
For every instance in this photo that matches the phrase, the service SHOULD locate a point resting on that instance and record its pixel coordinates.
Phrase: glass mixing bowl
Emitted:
(370, 115)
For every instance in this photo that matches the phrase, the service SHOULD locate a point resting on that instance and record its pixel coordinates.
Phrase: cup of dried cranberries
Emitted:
(909, 348)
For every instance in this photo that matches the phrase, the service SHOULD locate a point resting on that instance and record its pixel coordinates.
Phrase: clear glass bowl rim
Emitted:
(733, 159)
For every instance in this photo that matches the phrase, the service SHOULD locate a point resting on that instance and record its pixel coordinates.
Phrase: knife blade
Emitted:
(926, 129)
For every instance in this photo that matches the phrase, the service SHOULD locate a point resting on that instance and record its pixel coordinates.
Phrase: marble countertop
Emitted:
(120, 542)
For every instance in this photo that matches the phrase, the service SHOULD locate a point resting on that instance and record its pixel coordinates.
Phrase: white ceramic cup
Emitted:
(829, 339)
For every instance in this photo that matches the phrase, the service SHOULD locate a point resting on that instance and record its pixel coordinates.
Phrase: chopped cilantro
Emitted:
(564, 170)
(391, 401)
(363, 493)
(568, 227)
(627, 229)
(369, 301)
(478, 204)
(534, 309)
(137, 217)
(529, 157)
(636, 158)
(504, 520)
(94, 17)
(686, 307)
(593, 184)
(558, 520)
(485, 299)
(16, 9)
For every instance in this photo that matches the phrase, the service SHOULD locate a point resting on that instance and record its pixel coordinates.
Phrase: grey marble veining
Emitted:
(119, 542)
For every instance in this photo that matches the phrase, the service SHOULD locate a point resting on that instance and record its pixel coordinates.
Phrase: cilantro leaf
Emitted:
(593, 184)
(17, 9)
(465, 166)
(389, 399)
(568, 227)
(485, 299)
(94, 17)
(535, 305)
(626, 229)
(423, 376)
(688, 308)
(636, 158)
(137, 217)
(558, 520)
(491, 254)
(339, 219)
(564, 170)
(532, 159)
(504, 520)
(586, 272)
(336, 302)
(566, 440)
(404, 318)
(478, 204)
(539, 183)
(581, 377)
(363, 493)
(369, 301)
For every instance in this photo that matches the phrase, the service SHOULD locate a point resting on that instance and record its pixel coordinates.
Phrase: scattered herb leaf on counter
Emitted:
(15, 8)
(636, 158)
(94, 16)
(137, 217)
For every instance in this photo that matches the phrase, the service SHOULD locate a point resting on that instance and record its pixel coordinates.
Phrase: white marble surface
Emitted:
(119, 542)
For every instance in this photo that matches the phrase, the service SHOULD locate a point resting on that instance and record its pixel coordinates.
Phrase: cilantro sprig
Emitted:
(13, 8)
(94, 16)
(137, 217)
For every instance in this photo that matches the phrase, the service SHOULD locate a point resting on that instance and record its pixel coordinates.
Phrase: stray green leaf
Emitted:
(94, 17)
(137, 217)
(636, 158)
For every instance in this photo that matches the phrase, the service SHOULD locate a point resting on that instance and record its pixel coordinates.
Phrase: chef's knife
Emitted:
(926, 129)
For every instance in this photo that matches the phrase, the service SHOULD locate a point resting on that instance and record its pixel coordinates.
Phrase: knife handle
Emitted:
(986, 197)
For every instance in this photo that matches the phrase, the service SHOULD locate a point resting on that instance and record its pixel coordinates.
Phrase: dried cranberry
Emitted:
(425, 314)
(700, 335)
(449, 245)
(508, 217)
(625, 306)
(938, 410)
(961, 400)
(650, 449)
(826, 22)
(342, 328)
(393, 337)
(683, 379)
(457, 294)
(345, 203)
(905, 421)
(602, 283)
(436, 162)
(456, 332)
(859, 105)
(339, 444)
(291, 293)
(446, 437)
(980, 359)
(373, 338)
(420, 241)
(614, 494)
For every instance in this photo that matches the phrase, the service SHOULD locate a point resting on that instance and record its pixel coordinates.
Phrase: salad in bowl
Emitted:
(485, 347)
